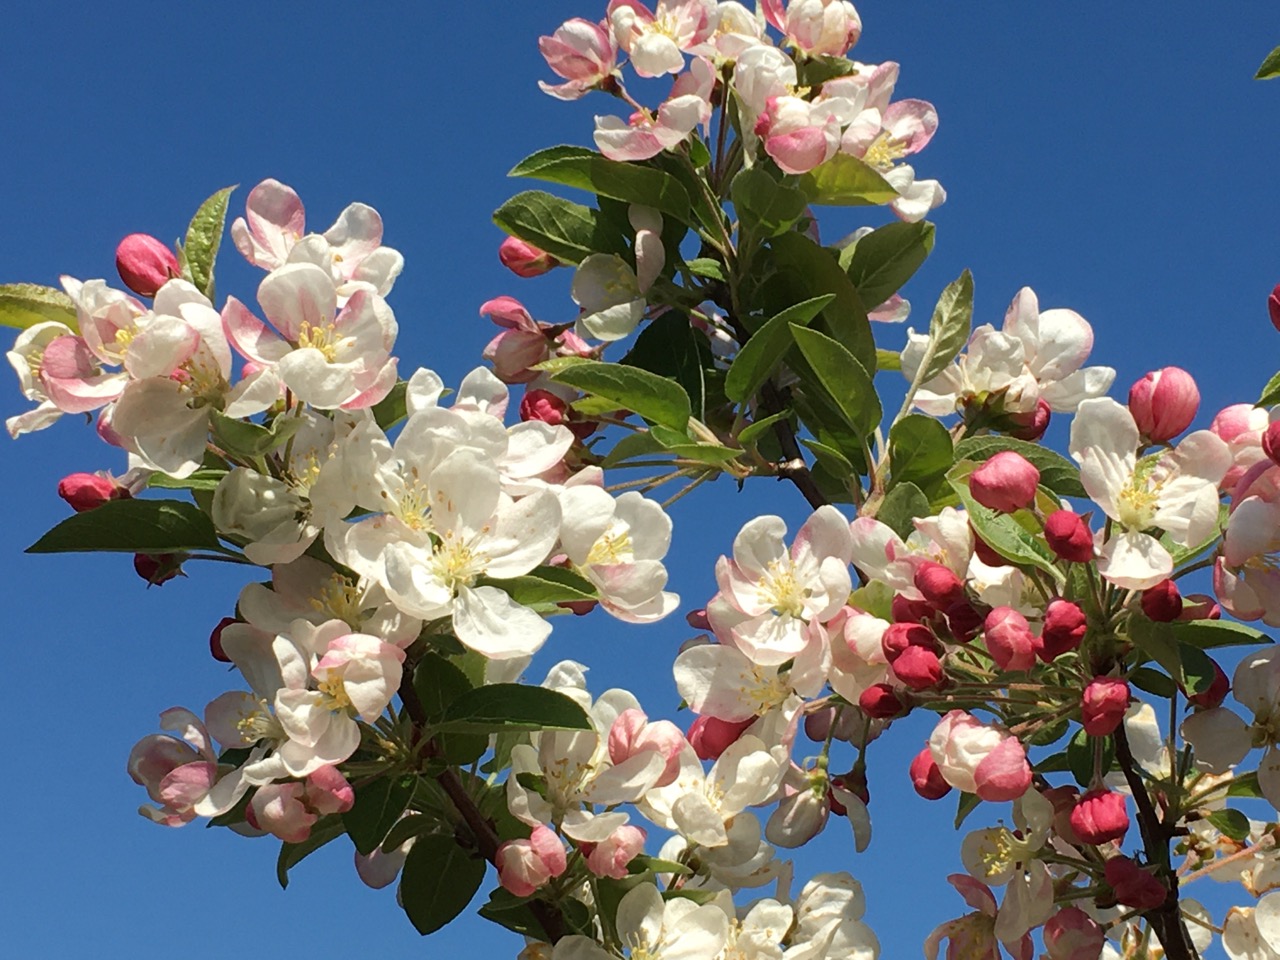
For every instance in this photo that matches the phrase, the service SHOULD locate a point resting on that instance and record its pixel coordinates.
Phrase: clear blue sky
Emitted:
(1116, 157)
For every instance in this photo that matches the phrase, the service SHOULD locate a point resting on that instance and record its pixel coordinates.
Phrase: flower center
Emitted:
(884, 151)
(457, 563)
(335, 692)
(614, 546)
(258, 724)
(322, 337)
(780, 589)
(341, 598)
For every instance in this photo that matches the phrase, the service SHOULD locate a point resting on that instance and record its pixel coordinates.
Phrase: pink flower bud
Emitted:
(85, 491)
(329, 792)
(964, 621)
(940, 587)
(609, 857)
(1103, 705)
(1271, 442)
(1134, 887)
(1216, 693)
(633, 734)
(1100, 816)
(145, 263)
(854, 782)
(918, 668)
(278, 808)
(1164, 403)
(1069, 536)
(1065, 625)
(1273, 306)
(910, 611)
(1071, 934)
(1009, 639)
(1199, 606)
(711, 736)
(927, 778)
(1163, 602)
(880, 702)
(980, 758)
(525, 865)
(1030, 425)
(524, 259)
(900, 636)
(1007, 482)
(698, 619)
(215, 640)
(545, 406)
(157, 569)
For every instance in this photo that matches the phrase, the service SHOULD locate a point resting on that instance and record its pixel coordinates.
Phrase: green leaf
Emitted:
(508, 707)
(409, 826)
(1002, 531)
(949, 327)
(887, 257)
(803, 269)
(24, 305)
(876, 598)
(378, 805)
(631, 446)
(1189, 666)
(200, 480)
(547, 586)
(815, 71)
(967, 804)
(1207, 634)
(568, 231)
(1153, 682)
(764, 350)
(709, 214)
(1270, 68)
(655, 398)
(438, 683)
(392, 408)
(845, 181)
(204, 236)
(671, 348)
(753, 431)
(1080, 752)
(903, 504)
(707, 267)
(845, 380)
(644, 862)
(685, 447)
(1054, 763)
(588, 170)
(888, 360)
(132, 526)
(438, 881)
(920, 451)
(765, 207)
(1245, 785)
(1270, 393)
(1056, 472)
(835, 461)
(1232, 823)
(248, 440)
(291, 854)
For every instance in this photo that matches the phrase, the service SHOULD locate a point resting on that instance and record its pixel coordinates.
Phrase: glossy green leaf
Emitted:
(845, 380)
(949, 327)
(24, 305)
(1207, 634)
(547, 586)
(132, 526)
(707, 267)
(633, 446)
(967, 803)
(888, 360)
(438, 683)
(200, 480)
(903, 504)
(1270, 393)
(568, 231)
(887, 257)
(1232, 823)
(1189, 666)
(507, 707)
(291, 854)
(920, 451)
(247, 440)
(378, 805)
(1001, 531)
(1245, 785)
(1056, 472)
(686, 448)
(438, 881)
(844, 181)
(764, 206)
(655, 398)
(587, 170)
(1270, 68)
(757, 428)
(670, 347)
(1154, 682)
(204, 237)
(815, 71)
(392, 408)
(762, 353)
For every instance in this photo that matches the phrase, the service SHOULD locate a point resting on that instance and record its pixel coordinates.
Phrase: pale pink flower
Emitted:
(816, 27)
(581, 52)
(657, 41)
(979, 758)
(525, 865)
(797, 134)
(609, 857)
(632, 733)
(645, 135)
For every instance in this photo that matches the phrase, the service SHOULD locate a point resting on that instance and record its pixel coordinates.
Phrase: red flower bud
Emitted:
(711, 736)
(1069, 536)
(1100, 816)
(1217, 691)
(927, 778)
(545, 406)
(900, 636)
(940, 587)
(964, 621)
(145, 264)
(1064, 628)
(910, 611)
(157, 569)
(1134, 887)
(1273, 306)
(880, 702)
(983, 551)
(1199, 606)
(1164, 403)
(1030, 425)
(698, 619)
(215, 639)
(524, 259)
(1007, 482)
(579, 608)
(1103, 705)
(84, 491)
(918, 667)
(1271, 442)
(1009, 639)
(855, 782)
(1163, 602)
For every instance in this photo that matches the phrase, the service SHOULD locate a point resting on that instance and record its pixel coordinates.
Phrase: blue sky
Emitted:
(1116, 157)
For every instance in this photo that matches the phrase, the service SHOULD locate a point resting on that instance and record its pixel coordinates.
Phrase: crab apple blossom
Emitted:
(609, 857)
(632, 733)
(975, 934)
(1245, 578)
(524, 259)
(1100, 817)
(657, 40)
(1071, 934)
(178, 772)
(816, 27)
(1164, 403)
(644, 134)
(979, 758)
(797, 134)
(289, 810)
(145, 264)
(1009, 639)
(582, 53)
(1006, 483)
(1103, 705)
(1273, 306)
(1218, 689)
(525, 865)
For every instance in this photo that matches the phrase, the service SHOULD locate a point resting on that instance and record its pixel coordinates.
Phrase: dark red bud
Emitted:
(157, 569)
(918, 668)
(85, 491)
(215, 639)
(1216, 693)
(927, 778)
(1273, 307)
(910, 611)
(940, 587)
(1163, 602)
(1069, 536)
(1134, 887)
(1064, 628)
(880, 702)
(900, 636)
(1030, 425)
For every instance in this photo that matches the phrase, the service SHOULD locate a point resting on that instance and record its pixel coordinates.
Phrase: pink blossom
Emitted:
(581, 52)
(1103, 705)
(1241, 426)
(609, 857)
(525, 865)
(1217, 692)
(632, 734)
(1071, 934)
(145, 264)
(798, 134)
(979, 758)
(289, 810)
(710, 736)
(178, 772)
(657, 41)
(1164, 402)
(85, 491)
(644, 135)
(1009, 639)
(1007, 482)
(938, 585)
(973, 936)
(816, 27)
(524, 259)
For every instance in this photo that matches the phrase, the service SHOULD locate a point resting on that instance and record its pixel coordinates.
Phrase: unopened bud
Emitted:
(1133, 886)
(145, 263)
(1163, 602)
(579, 608)
(1009, 639)
(880, 702)
(1007, 482)
(85, 491)
(215, 640)
(158, 569)
(926, 777)
(545, 406)
(1069, 536)
(817, 725)
(524, 259)
(1271, 442)
(1030, 425)
(1217, 691)
(1064, 628)
(1200, 606)
(964, 621)
(910, 611)
(1273, 306)
(1103, 705)
(900, 636)
(984, 552)
(1164, 403)
(1100, 816)
(940, 587)
(1071, 934)
(918, 668)
(698, 619)
(711, 736)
